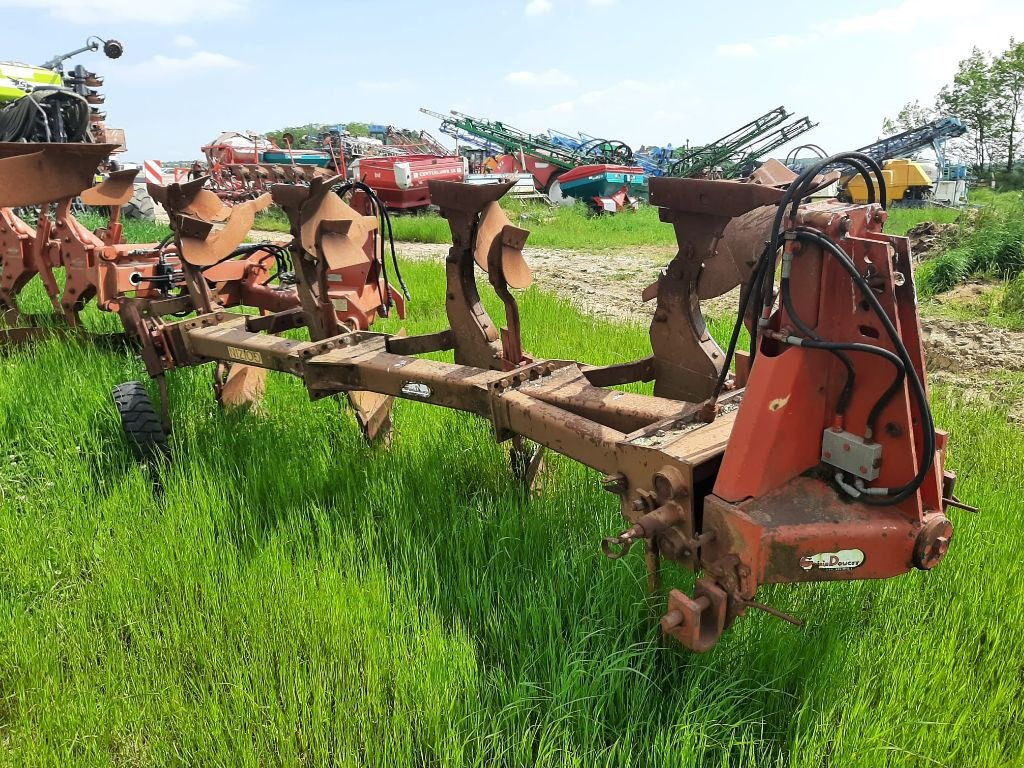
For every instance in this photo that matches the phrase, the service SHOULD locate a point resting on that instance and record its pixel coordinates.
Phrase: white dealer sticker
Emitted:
(416, 389)
(843, 560)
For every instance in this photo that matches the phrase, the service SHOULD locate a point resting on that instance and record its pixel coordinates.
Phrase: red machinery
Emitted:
(401, 181)
(543, 171)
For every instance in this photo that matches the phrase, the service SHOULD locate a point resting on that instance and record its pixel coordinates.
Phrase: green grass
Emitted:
(135, 230)
(273, 219)
(296, 597)
(574, 227)
(562, 227)
(901, 220)
(990, 244)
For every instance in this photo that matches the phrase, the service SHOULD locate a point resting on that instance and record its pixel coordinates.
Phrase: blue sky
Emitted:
(643, 71)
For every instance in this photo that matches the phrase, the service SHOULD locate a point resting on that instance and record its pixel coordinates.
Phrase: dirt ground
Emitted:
(605, 283)
(929, 237)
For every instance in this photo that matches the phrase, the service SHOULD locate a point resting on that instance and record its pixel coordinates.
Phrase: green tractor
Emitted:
(46, 104)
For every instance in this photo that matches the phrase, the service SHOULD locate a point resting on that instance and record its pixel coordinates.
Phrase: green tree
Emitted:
(304, 135)
(1008, 80)
(973, 97)
(911, 116)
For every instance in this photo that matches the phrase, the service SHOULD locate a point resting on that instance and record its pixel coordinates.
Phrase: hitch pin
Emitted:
(774, 612)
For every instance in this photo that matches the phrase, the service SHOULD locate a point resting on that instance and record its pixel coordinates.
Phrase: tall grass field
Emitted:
(575, 227)
(295, 597)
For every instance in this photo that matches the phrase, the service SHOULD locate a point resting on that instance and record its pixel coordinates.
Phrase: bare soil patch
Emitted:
(929, 238)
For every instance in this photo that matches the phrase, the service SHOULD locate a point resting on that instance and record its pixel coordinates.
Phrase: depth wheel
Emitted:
(141, 422)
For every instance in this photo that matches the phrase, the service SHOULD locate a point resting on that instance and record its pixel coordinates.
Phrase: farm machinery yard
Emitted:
(816, 459)
(542, 449)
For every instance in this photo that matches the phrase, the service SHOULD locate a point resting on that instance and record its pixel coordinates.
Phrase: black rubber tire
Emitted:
(141, 423)
(141, 206)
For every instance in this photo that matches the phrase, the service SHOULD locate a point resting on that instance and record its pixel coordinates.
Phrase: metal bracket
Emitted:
(697, 622)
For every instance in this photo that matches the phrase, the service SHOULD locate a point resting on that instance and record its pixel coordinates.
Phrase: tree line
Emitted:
(987, 94)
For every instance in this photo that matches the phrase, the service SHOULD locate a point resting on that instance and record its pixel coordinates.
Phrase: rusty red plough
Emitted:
(813, 458)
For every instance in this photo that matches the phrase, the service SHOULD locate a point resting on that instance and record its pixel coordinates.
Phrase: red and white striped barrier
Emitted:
(154, 172)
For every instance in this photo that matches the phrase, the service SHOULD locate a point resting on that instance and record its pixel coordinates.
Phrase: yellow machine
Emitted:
(905, 182)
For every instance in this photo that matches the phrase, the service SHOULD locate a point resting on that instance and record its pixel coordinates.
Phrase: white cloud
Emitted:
(184, 41)
(169, 66)
(782, 41)
(538, 7)
(118, 11)
(550, 78)
(736, 49)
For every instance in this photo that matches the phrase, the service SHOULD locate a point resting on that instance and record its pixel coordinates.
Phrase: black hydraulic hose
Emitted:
(928, 424)
(377, 206)
(282, 258)
(737, 329)
(381, 211)
(844, 397)
(794, 193)
(834, 346)
(814, 342)
(242, 250)
(394, 255)
(884, 400)
(771, 251)
(854, 346)
(862, 169)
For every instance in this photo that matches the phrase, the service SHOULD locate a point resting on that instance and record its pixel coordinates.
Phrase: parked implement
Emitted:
(736, 154)
(909, 182)
(547, 157)
(815, 459)
(48, 105)
(45, 104)
(243, 167)
(401, 181)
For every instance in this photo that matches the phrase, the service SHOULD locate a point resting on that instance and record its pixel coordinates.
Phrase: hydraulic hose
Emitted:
(927, 424)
